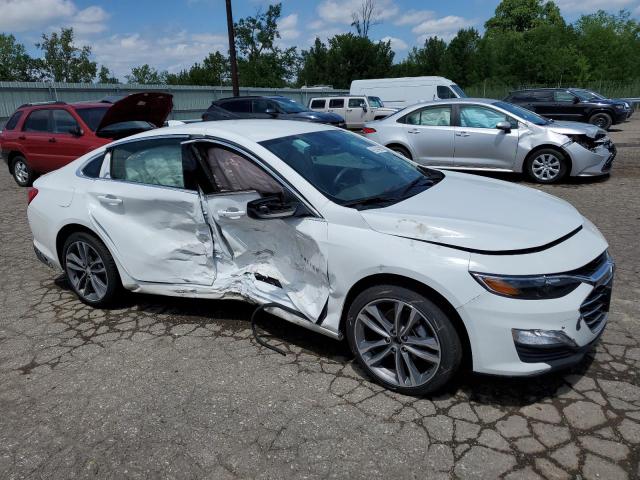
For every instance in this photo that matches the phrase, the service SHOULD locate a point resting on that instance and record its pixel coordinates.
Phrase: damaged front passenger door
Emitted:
(268, 246)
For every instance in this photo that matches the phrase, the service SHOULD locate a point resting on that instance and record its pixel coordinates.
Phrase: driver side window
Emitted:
(232, 172)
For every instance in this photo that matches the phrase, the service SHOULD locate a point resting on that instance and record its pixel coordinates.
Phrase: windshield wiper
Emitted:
(370, 201)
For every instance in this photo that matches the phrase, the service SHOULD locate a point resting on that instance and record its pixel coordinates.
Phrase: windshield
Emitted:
(375, 102)
(458, 91)
(92, 116)
(523, 113)
(290, 106)
(351, 170)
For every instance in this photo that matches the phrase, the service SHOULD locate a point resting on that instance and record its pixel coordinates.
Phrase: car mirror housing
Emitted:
(271, 111)
(76, 131)
(576, 100)
(504, 126)
(271, 207)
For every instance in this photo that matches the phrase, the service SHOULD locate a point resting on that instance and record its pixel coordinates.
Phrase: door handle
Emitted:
(413, 130)
(232, 214)
(462, 134)
(110, 200)
(22, 137)
(52, 140)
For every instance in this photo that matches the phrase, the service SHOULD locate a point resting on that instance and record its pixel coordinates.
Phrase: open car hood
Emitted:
(478, 214)
(150, 107)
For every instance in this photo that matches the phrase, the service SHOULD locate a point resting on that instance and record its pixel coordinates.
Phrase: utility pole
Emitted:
(232, 51)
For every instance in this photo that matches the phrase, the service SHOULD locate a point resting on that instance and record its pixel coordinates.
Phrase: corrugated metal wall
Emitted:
(188, 101)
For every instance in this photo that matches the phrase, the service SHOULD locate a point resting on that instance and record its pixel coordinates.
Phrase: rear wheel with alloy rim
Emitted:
(547, 166)
(90, 269)
(403, 340)
(22, 172)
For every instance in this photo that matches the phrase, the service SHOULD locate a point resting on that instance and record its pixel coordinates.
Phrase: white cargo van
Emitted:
(402, 92)
(355, 110)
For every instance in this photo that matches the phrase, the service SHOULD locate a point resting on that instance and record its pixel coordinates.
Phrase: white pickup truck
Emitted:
(355, 110)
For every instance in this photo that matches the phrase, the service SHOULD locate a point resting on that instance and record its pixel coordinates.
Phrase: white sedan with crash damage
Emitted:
(417, 268)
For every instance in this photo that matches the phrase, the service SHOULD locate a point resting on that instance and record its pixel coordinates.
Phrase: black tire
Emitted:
(602, 120)
(449, 347)
(537, 159)
(113, 282)
(22, 173)
(401, 150)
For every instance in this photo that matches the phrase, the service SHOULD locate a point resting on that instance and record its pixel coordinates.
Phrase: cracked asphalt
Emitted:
(166, 388)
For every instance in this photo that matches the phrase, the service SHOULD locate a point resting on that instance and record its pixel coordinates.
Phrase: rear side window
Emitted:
(92, 169)
(356, 102)
(63, 122)
(542, 96)
(318, 103)
(13, 121)
(336, 103)
(242, 106)
(445, 92)
(38, 121)
(261, 106)
(154, 162)
(431, 117)
(563, 97)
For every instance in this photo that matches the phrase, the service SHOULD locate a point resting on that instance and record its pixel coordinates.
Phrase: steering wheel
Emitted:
(339, 177)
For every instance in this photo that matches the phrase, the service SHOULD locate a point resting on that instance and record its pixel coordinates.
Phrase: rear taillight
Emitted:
(366, 130)
(31, 194)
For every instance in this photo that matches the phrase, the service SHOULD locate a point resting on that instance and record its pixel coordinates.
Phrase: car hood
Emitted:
(478, 214)
(320, 117)
(151, 107)
(576, 128)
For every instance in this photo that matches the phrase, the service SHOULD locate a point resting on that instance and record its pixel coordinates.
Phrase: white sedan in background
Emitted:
(482, 134)
(417, 268)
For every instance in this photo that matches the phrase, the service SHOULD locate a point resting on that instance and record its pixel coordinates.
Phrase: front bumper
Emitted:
(591, 162)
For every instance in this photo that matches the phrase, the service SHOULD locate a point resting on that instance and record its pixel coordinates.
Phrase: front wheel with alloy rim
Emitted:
(22, 172)
(602, 120)
(547, 166)
(403, 340)
(91, 270)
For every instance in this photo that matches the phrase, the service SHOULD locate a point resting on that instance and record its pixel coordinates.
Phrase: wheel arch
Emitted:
(419, 287)
(11, 156)
(402, 145)
(551, 146)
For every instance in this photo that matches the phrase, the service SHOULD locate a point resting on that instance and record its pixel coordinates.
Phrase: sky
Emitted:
(172, 35)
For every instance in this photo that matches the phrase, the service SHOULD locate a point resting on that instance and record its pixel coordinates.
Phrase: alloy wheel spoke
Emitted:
(376, 314)
(397, 316)
(98, 286)
(400, 375)
(414, 374)
(366, 346)
(372, 325)
(74, 263)
(429, 357)
(430, 343)
(377, 358)
(413, 318)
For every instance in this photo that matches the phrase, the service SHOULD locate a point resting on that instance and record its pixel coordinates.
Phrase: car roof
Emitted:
(256, 130)
(484, 101)
(251, 97)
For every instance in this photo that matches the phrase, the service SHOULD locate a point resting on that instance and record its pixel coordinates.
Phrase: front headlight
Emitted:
(534, 287)
(621, 107)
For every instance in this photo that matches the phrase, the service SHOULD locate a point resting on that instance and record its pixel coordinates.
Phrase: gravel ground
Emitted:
(164, 388)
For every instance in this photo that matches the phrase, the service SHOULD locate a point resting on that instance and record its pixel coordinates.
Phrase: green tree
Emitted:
(314, 65)
(427, 60)
(146, 74)
(214, 70)
(523, 15)
(460, 59)
(104, 76)
(63, 61)
(261, 63)
(15, 63)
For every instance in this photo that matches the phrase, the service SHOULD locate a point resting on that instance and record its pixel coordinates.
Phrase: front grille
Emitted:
(529, 354)
(595, 308)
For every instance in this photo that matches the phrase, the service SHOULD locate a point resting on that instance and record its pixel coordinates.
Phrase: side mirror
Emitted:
(271, 111)
(363, 106)
(504, 126)
(76, 131)
(270, 207)
(576, 100)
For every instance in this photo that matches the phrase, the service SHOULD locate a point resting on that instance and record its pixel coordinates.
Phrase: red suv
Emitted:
(39, 138)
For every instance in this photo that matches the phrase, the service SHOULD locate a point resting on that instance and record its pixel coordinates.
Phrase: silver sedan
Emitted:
(482, 134)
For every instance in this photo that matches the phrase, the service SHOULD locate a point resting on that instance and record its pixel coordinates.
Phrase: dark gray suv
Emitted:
(572, 104)
(277, 107)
